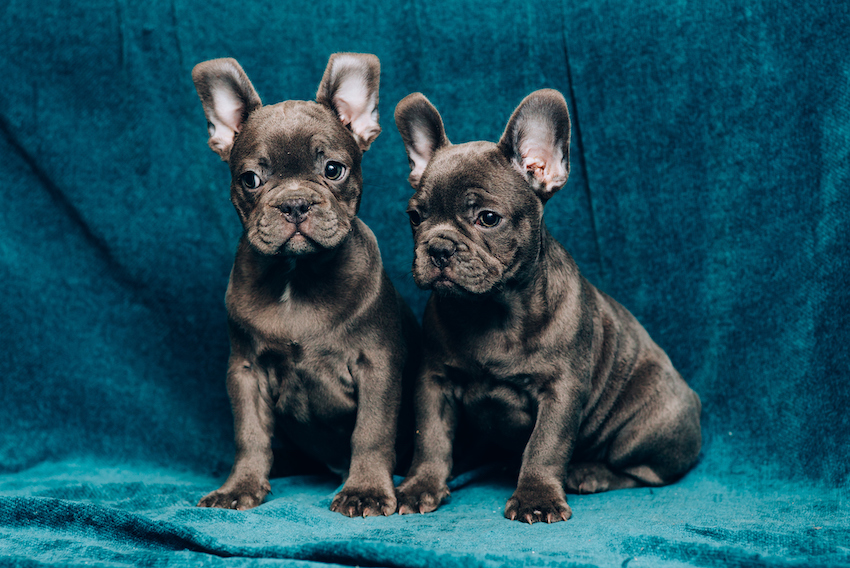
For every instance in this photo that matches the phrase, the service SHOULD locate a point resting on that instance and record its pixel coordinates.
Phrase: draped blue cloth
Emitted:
(709, 194)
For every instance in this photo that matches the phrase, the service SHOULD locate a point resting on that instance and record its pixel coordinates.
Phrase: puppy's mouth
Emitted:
(296, 236)
(298, 240)
(463, 273)
(274, 233)
(443, 283)
(274, 237)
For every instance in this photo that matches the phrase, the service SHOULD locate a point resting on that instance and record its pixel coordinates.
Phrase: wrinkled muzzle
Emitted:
(446, 262)
(298, 221)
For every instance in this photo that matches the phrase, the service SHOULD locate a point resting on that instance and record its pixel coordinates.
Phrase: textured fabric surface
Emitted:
(82, 513)
(709, 194)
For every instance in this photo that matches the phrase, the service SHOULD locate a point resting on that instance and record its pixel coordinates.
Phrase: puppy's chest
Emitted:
(499, 397)
(493, 358)
(490, 368)
(280, 316)
(309, 381)
(310, 366)
(499, 379)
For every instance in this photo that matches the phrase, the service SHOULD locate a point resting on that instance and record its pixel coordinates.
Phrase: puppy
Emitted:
(517, 343)
(320, 340)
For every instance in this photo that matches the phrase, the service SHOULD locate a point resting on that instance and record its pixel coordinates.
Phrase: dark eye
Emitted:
(488, 219)
(334, 170)
(415, 217)
(250, 180)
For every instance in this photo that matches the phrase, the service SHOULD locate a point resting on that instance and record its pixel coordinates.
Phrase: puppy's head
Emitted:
(478, 207)
(295, 165)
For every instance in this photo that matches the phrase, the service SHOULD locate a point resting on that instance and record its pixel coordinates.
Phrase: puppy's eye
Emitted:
(250, 180)
(415, 217)
(334, 170)
(488, 219)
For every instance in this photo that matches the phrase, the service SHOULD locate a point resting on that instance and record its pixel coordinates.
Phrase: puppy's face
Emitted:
(295, 166)
(296, 179)
(478, 207)
(474, 221)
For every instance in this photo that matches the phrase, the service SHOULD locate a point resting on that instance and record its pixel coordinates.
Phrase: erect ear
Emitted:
(228, 98)
(350, 88)
(537, 141)
(422, 131)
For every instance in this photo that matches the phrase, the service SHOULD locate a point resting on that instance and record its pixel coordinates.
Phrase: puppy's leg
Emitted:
(662, 441)
(539, 496)
(596, 477)
(368, 489)
(424, 488)
(253, 420)
(656, 446)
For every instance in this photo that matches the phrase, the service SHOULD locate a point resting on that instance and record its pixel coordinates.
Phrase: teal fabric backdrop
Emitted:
(709, 194)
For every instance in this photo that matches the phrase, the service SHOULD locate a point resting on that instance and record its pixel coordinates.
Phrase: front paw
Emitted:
(364, 502)
(420, 496)
(240, 495)
(537, 505)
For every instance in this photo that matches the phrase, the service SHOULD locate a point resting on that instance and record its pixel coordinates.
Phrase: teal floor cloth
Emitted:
(709, 194)
(80, 514)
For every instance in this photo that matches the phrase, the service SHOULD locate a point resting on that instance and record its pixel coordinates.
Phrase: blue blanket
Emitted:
(709, 194)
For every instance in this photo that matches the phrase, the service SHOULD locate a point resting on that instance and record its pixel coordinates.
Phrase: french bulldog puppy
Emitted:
(517, 344)
(321, 342)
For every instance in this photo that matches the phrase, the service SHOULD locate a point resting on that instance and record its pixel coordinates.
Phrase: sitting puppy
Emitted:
(320, 339)
(517, 343)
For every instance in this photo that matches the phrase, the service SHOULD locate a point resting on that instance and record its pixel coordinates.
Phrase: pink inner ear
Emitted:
(221, 137)
(535, 165)
(226, 119)
(546, 167)
(357, 110)
(419, 152)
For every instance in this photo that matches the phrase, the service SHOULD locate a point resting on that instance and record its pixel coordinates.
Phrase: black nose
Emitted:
(294, 210)
(441, 250)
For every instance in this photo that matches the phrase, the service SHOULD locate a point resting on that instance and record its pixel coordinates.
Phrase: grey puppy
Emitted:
(320, 339)
(517, 344)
